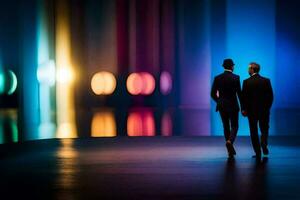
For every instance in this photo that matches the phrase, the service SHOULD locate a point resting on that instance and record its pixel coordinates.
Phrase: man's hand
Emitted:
(244, 113)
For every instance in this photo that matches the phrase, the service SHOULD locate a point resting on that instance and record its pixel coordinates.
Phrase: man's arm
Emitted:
(213, 92)
(269, 94)
(239, 93)
(244, 98)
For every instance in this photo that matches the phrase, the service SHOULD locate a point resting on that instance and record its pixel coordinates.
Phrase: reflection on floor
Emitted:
(136, 121)
(148, 168)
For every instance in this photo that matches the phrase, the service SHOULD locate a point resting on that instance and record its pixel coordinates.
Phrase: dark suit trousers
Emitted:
(230, 122)
(263, 122)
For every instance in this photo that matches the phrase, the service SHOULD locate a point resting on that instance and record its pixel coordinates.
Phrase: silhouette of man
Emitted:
(257, 96)
(225, 91)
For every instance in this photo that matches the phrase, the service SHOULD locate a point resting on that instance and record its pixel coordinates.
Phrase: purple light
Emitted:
(165, 83)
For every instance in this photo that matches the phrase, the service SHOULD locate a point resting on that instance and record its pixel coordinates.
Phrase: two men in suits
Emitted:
(255, 98)
(225, 91)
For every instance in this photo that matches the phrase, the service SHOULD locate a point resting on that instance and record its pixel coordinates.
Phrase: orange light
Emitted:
(140, 83)
(134, 84)
(104, 125)
(103, 83)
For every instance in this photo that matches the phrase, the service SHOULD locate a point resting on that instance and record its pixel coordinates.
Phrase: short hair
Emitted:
(255, 66)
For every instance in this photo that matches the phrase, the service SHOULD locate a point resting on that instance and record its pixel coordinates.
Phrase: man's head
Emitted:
(253, 68)
(228, 64)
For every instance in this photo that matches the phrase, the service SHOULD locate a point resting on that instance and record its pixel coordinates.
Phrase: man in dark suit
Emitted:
(225, 91)
(257, 95)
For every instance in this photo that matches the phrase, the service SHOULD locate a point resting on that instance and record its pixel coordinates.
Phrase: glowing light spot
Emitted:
(2, 82)
(148, 83)
(104, 125)
(140, 83)
(141, 123)
(65, 75)
(46, 73)
(2, 78)
(13, 82)
(8, 126)
(134, 84)
(103, 83)
(67, 130)
(166, 124)
(165, 83)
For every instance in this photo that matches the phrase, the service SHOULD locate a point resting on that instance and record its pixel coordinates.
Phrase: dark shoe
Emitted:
(257, 156)
(230, 156)
(234, 153)
(230, 149)
(265, 149)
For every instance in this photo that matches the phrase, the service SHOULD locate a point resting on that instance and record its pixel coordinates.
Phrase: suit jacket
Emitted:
(228, 86)
(257, 95)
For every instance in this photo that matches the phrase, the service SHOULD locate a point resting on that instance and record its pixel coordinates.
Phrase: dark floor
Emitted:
(148, 168)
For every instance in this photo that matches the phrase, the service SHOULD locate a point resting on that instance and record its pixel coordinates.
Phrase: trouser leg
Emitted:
(226, 125)
(254, 134)
(264, 128)
(234, 122)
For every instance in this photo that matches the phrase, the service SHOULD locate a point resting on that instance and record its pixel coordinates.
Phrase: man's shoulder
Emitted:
(235, 76)
(264, 78)
(247, 80)
(219, 76)
(231, 75)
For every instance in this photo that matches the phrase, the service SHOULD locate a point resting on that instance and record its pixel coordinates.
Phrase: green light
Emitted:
(14, 129)
(8, 126)
(2, 82)
(13, 81)
(2, 78)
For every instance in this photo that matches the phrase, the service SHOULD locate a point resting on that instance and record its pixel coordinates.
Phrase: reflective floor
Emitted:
(148, 168)
(137, 121)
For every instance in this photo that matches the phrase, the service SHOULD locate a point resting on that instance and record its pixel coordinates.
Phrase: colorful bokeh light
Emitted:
(104, 125)
(46, 73)
(165, 82)
(13, 82)
(103, 83)
(142, 83)
(8, 82)
(65, 74)
(141, 123)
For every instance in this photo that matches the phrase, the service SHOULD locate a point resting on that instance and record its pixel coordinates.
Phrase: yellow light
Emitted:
(104, 125)
(65, 75)
(103, 83)
(67, 165)
(66, 130)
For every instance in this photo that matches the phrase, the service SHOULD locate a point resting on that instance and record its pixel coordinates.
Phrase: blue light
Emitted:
(250, 36)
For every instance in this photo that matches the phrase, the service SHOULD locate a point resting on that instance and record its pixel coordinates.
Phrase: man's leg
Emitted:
(234, 121)
(226, 125)
(254, 135)
(264, 128)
